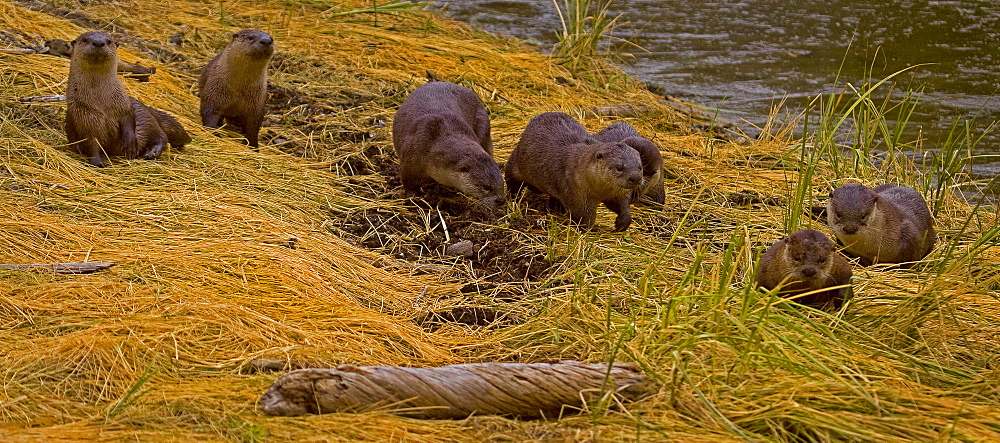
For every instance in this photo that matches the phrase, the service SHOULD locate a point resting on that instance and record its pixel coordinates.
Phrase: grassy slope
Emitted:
(203, 283)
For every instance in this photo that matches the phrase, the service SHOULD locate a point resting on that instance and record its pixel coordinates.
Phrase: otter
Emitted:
(233, 87)
(806, 261)
(887, 224)
(100, 115)
(558, 157)
(652, 161)
(441, 133)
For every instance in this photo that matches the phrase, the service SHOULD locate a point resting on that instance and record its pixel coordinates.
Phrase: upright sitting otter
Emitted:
(556, 155)
(806, 261)
(101, 117)
(441, 133)
(233, 87)
(888, 224)
(652, 161)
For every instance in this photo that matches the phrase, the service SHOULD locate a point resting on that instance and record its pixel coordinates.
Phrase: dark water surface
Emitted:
(745, 56)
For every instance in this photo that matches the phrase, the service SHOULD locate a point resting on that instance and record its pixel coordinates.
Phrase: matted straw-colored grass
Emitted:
(208, 275)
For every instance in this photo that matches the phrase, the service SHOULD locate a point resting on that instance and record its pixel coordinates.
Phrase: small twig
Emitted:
(52, 185)
(417, 301)
(19, 50)
(60, 268)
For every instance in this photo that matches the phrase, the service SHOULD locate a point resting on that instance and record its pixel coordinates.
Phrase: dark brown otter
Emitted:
(233, 88)
(888, 224)
(441, 133)
(558, 157)
(101, 117)
(806, 261)
(652, 161)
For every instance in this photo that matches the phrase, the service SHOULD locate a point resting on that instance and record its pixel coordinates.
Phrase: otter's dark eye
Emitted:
(463, 169)
(599, 155)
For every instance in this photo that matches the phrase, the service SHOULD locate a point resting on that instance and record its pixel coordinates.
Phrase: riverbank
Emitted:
(307, 252)
(751, 67)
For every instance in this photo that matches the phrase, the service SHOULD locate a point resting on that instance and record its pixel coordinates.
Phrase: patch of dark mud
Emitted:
(490, 318)
(504, 249)
(78, 18)
(749, 197)
(159, 51)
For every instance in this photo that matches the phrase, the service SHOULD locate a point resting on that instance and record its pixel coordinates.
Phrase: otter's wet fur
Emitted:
(557, 156)
(806, 261)
(233, 87)
(651, 188)
(441, 133)
(887, 224)
(100, 115)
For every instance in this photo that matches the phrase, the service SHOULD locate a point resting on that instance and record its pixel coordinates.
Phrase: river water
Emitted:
(745, 56)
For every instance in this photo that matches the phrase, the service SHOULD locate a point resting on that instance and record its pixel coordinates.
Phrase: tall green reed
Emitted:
(585, 38)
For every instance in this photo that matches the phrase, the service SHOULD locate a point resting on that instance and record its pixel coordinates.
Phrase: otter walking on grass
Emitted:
(233, 88)
(441, 133)
(652, 161)
(806, 261)
(887, 224)
(100, 115)
(557, 156)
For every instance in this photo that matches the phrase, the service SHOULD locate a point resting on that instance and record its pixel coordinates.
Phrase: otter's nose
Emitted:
(808, 271)
(850, 228)
(266, 41)
(634, 179)
(99, 42)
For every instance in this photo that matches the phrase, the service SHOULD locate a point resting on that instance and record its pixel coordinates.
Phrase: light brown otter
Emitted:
(101, 117)
(888, 224)
(441, 133)
(652, 161)
(233, 88)
(558, 157)
(806, 261)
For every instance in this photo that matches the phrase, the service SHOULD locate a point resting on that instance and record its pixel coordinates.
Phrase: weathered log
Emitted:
(61, 268)
(527, 390)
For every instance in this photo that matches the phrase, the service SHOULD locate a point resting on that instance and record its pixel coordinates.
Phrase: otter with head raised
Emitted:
(441, 133)
(557, 156)
(100, 115)
(233, 88)
(888, 224)
(806, 261)
(652, 161)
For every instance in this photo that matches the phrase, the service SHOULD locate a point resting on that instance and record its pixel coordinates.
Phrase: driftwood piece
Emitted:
(18, 50)
(43, 99)
(525, 390)
(60, 268)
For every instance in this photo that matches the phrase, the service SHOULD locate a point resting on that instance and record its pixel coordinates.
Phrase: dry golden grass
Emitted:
(153, 349)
